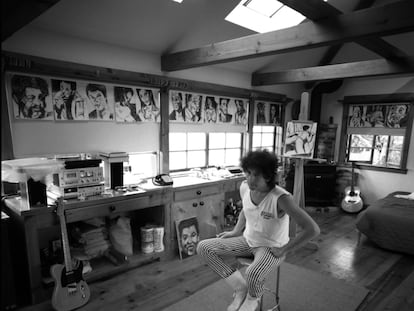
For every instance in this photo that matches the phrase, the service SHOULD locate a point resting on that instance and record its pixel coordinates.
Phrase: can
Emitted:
(147, 239)
(147, 234)
(158, 239)
(147, 247)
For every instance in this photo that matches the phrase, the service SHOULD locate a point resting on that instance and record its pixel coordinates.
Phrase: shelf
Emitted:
(102, 268)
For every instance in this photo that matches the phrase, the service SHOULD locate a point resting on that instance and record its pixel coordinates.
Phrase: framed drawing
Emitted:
(267, 113)
(389, 115)
(126, 104)
(188, 236)
(300, 139)
(31, 97)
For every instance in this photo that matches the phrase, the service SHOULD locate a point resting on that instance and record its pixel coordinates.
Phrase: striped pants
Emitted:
(214, 251)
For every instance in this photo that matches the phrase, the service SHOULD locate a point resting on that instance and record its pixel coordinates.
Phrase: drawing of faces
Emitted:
(397, 116)
(176, 101)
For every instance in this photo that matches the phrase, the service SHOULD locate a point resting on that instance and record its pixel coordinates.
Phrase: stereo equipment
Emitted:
(79, 179)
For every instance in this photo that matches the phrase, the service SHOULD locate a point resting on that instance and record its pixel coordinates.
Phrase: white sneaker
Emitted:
(238, 283)
(238, 298)
(250, 304)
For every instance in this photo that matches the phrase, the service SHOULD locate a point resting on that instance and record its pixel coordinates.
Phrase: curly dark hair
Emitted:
(262, 161)
(20, 83)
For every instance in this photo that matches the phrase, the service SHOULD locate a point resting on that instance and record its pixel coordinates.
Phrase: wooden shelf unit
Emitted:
(31, 226)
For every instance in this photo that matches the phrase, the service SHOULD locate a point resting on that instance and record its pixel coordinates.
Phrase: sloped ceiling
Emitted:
(163, 26)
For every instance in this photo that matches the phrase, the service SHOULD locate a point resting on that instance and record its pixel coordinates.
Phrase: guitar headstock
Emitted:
(60, 210)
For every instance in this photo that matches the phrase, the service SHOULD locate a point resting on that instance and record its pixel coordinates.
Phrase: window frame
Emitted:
(276, 134)
(406, 98)
(208, 149)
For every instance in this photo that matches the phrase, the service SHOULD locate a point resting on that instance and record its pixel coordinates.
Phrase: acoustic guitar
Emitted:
(352, 202)
(70, 291)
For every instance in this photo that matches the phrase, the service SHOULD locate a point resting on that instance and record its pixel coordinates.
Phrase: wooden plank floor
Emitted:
(340, 254)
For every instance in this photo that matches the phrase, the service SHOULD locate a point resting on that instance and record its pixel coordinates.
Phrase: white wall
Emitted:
(373, 184)
(47, 137)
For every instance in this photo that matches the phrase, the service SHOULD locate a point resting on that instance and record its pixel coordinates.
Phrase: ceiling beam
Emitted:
(18, 13)
(387, 20)
(317, 9)
(370, 68)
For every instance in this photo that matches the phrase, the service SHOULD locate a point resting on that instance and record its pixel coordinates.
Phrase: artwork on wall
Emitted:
(300, 139)
(47, 98)
(267, 113)
(126, 104)
(68, 103)
(188, 236)
(198, 108)
(393, 115)
(31, 97)
(100, 101)
(149, 110)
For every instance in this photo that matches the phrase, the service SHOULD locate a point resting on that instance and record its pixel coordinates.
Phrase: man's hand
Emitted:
(279, 252)
(227, 234)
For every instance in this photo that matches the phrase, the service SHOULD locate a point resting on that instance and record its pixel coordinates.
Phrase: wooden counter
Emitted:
(31, 225)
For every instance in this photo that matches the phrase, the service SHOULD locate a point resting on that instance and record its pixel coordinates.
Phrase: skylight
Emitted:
(264, 15)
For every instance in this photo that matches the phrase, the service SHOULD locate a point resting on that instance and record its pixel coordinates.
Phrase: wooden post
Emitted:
(298, 192)
(299, 185)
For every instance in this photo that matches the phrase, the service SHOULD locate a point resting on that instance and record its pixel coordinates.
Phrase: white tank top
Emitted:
(263, 226)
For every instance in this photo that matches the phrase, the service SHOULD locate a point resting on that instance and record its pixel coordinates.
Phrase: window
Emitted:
(189, 150)
(378, 130)
(268, 137)
(264, 15)
(224, 149)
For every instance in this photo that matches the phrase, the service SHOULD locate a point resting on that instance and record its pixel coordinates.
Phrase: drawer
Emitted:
(194, 193)
(104, 209)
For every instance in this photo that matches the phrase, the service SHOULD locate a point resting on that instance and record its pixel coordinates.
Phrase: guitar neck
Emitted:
(352, 179)
(65, 240)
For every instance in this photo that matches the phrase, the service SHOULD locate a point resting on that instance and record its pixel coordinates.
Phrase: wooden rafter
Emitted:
(317, 9)
(370, 68)
(387, 20)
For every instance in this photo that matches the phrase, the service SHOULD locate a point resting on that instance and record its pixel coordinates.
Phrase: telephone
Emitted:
(162, 180)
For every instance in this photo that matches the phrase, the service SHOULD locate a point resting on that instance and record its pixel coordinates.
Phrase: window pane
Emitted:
(232, 157)
(267, 139)
(394, 158)
(396, 142)
(362, 140)
(257, 140)
(196, 141)
(217, 140)
(360, 154)
(233, 140)
(178, 141)
(257, 129)
(216, 157)
(380, 151)
(196, 159)
(268, 129)
(178, 160)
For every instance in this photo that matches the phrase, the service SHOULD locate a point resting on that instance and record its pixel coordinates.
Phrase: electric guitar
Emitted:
(352, 202)
(70, 291)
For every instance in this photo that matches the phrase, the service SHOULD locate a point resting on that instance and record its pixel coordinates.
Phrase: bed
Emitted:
(389, 222)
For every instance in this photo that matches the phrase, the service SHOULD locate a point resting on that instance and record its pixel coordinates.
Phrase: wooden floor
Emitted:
(339, 254)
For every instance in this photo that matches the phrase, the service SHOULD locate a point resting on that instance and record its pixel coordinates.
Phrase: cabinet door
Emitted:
(209, 211)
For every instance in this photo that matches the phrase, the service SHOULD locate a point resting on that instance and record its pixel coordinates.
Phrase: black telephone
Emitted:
(162, 180)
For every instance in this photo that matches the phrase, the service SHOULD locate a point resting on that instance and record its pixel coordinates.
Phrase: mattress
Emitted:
(389, 223)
